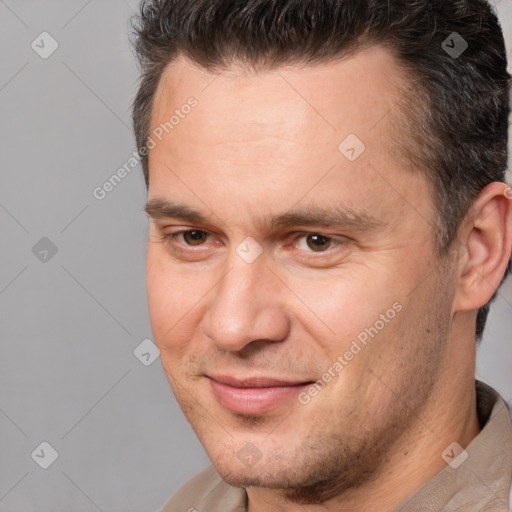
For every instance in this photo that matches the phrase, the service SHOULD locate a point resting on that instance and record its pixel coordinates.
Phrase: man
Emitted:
(329, 221)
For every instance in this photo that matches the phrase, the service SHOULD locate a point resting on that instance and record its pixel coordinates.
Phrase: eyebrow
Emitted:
(303, 216)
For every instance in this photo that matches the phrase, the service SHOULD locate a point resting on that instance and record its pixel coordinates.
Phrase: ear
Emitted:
(485, 246)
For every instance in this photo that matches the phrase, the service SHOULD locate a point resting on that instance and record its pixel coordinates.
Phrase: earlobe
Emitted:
(486, 243)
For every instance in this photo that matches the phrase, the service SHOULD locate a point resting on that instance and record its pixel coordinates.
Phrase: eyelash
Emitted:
(169, 238)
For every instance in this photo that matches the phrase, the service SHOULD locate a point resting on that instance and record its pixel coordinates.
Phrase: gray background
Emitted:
(71, 323)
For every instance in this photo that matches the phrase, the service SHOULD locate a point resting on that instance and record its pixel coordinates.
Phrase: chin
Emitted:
(239, 462)
(242, 478)
(301, 489)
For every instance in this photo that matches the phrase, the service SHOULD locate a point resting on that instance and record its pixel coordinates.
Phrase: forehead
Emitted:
(284, 129)
(352, 95)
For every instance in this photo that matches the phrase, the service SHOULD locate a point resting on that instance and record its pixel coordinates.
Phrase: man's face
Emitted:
(243, 340)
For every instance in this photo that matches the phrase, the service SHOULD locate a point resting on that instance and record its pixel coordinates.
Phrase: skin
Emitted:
(259, 144)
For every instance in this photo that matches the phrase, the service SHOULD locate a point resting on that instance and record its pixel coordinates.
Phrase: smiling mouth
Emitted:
(255, 395)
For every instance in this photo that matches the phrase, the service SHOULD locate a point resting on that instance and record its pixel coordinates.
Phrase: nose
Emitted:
(246, 306)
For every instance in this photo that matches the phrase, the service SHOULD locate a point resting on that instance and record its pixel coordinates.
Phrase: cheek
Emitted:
(349, 302)
(172, 297)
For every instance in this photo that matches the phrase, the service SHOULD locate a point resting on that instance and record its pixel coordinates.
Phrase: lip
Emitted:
(253, 395)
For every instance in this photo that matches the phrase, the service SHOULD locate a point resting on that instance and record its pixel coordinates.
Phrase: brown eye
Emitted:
(194, 237)
(318, 243)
